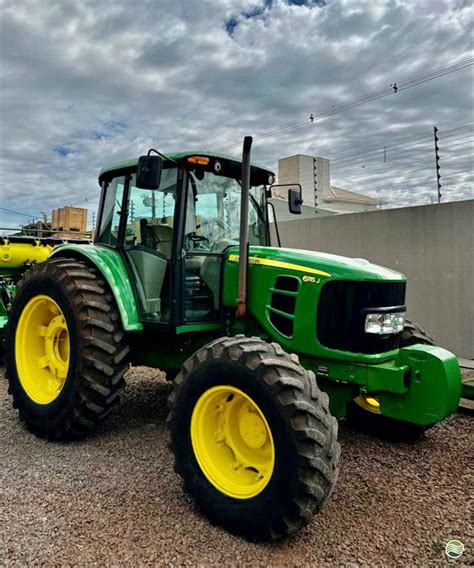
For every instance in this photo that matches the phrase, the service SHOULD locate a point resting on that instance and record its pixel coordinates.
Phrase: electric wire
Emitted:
(350, 153)
(368, 97)
(401, 144)
(375, 178)
(390, 154)
(378, 162)
(17, 212)
(417, 183)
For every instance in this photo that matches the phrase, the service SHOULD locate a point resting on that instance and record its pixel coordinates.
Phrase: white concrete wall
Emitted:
(433, 245)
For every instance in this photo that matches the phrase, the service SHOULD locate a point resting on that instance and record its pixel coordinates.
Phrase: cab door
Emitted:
(141, 223)
(212, 225)
(203, 253)
(148, 244)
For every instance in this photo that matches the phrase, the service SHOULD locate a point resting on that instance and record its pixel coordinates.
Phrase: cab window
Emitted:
(109, 225)
(151, 214)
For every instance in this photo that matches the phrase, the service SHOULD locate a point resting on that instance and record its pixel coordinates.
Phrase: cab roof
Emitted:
(178, 156)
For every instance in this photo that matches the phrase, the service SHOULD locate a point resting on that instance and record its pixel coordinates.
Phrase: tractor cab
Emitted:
(173, 218)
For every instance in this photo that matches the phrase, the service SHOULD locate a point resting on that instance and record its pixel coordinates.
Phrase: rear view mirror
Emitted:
(149, 172)
(294, 201)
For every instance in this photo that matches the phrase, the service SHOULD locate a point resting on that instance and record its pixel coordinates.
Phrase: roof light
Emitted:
(200, 160)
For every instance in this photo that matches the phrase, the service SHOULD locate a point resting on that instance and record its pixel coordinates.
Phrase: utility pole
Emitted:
(385, 154)
(93, 220)
(438, 176)
(132, 211)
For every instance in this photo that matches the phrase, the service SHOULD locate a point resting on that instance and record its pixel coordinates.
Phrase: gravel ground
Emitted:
(114, 499)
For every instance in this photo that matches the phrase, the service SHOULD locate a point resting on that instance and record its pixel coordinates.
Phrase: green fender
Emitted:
(110, 264)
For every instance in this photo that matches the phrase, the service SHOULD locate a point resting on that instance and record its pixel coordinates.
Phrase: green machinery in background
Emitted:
(266, 346)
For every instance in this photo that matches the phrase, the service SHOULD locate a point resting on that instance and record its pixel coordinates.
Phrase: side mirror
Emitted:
(149, 172)
(294, 201)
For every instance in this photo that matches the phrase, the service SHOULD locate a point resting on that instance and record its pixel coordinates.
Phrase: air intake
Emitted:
(281, 311)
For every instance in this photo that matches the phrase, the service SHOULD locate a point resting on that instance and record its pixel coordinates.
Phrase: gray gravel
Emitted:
(114, 499)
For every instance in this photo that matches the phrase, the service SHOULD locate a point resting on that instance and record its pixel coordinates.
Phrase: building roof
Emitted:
(344, 195)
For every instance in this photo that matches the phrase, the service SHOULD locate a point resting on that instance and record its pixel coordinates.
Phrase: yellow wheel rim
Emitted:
(368, 403)
(232, 442)
(42, 349)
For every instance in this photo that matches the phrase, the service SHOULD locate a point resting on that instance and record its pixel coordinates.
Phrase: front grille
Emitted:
(340, 321)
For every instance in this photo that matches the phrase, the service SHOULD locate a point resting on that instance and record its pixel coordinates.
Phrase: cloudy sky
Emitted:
(88, 82)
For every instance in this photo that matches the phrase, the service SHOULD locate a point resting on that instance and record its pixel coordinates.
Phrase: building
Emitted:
(37, 229)
(70, 220)
(314, 175)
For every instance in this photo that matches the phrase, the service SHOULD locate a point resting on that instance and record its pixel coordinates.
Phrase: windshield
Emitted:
(213, 213)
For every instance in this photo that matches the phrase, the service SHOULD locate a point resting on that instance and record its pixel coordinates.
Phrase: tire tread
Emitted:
(103, 357)
(306, 410)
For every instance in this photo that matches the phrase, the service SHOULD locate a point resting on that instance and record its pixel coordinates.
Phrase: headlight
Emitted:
(385, 323)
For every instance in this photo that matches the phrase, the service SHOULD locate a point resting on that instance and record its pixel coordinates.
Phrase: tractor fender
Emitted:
(110, 264)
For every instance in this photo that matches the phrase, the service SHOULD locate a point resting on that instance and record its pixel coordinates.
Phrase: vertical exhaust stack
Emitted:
(244, 229)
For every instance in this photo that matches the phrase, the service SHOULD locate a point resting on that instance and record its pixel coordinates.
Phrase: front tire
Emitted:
(65, 350)
(252, 437)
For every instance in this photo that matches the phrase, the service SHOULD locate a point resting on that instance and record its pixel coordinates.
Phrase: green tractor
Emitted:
(267, 347)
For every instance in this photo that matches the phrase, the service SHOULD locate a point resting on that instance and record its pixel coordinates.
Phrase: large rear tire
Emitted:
(362, 414)
(252, 437)
(65, 350)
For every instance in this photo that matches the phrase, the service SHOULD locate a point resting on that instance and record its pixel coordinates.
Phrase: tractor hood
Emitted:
(318, 264)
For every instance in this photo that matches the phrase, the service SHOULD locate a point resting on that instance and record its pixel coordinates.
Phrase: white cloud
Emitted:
(87, 83)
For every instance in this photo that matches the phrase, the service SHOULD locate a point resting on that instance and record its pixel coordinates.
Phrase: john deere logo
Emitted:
(454, 549)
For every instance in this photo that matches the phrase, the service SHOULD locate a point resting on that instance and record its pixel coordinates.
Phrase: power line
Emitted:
(417, 183)
(17, 212)
(351, 153)
(412, 182)
(369, 97)
(388, 152)
(360, 160)
(390, 149)
(399, 143)
(458, 146)
(457, 157)
(373, 178)
(377, 159)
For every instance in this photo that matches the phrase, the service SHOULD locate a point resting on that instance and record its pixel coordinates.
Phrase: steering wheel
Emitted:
(195, 239)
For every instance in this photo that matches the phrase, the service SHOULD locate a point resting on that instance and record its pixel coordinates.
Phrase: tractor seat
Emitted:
(164, 235)
(157, 237)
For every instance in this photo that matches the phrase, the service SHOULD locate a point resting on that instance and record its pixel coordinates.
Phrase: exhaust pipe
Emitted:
(244, 229)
